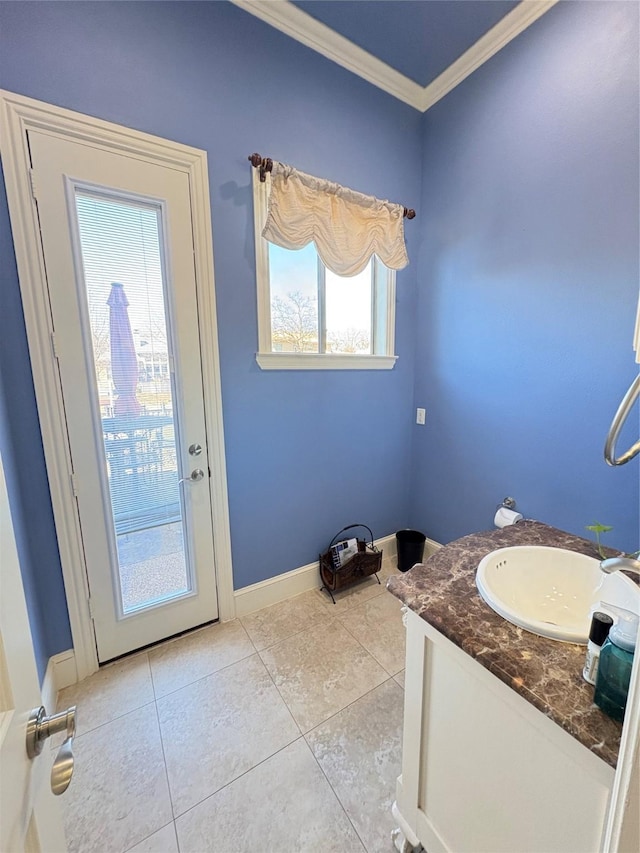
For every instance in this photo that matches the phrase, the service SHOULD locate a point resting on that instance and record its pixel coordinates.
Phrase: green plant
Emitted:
(598, 528)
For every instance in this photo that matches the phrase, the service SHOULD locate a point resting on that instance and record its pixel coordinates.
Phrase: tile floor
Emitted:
(278, 732)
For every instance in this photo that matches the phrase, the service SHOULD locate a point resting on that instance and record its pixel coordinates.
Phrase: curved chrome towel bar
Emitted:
(616, 425)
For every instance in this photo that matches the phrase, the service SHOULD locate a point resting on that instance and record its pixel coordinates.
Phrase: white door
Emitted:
(29, 813)
(119, 255)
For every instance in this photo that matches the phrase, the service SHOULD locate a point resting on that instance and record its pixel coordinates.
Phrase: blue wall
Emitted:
(23, 462)
(528, 281)
(517, 339)
(209, 75)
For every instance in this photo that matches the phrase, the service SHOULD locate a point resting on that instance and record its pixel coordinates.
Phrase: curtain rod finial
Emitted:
(410, 213)
(265, 164)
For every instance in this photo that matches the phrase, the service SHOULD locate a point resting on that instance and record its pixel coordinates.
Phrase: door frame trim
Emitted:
(18, 114)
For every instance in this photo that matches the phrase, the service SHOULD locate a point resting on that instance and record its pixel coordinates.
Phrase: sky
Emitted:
(348, 300)
(120, 242)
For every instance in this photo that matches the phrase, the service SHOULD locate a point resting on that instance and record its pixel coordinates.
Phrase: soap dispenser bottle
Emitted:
(600, 626)
(616, 660)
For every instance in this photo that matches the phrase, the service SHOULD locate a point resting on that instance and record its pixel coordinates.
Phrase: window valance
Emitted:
(346, 227)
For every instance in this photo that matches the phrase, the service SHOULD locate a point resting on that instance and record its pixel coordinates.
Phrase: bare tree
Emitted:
(99, 323)
(295, 322)
(153, 332)
(349, 340)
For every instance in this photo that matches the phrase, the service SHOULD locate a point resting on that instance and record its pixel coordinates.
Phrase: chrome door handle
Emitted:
(194, 477)
(39, 728)
(62, 769)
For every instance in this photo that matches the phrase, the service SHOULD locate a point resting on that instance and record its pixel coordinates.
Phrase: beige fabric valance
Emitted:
(347, 227)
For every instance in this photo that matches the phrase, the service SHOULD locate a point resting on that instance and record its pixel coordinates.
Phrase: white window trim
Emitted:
(323, 361)
(269, 360)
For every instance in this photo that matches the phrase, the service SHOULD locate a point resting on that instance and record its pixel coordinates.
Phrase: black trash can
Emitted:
(410, 548)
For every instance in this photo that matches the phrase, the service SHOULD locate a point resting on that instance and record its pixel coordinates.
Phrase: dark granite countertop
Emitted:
(546, 673)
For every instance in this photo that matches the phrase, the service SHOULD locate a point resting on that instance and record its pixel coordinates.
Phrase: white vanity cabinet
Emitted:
(483, 770)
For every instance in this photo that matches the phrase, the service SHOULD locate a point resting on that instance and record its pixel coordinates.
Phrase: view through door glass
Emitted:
(121, 247)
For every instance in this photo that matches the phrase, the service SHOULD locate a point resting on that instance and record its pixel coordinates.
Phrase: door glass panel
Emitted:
(121, 247)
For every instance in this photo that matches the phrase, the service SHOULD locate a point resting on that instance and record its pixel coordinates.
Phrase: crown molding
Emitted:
(291, 21)
(515, 22)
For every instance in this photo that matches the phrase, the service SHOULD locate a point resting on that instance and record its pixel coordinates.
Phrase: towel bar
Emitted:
(616, 425)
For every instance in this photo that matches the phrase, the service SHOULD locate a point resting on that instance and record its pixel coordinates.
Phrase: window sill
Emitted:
(323, 361)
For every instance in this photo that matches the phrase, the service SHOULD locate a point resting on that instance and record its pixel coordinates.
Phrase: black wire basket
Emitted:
(367, 561)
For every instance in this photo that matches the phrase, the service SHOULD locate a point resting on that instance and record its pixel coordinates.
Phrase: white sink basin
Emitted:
(551, 592)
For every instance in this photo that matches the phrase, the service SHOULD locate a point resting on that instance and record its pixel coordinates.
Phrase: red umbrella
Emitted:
(124, 362)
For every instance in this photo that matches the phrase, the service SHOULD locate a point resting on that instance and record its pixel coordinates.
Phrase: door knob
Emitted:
(194, 477)
(39, 728)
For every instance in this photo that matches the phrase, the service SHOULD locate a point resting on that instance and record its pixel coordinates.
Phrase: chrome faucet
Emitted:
(614, 564)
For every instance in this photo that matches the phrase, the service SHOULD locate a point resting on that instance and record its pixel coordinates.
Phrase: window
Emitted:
(309, 318)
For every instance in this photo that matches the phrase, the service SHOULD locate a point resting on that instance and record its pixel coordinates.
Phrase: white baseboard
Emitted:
(287, 585)
(264, 594)
(430, 547)
(61, 672)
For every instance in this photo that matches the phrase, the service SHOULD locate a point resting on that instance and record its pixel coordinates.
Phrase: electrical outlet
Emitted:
(420, 415)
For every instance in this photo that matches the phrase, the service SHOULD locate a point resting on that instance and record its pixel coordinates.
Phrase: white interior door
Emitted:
(119, 254)
(29, 813)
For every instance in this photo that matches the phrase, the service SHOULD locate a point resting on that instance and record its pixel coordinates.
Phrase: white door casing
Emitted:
(30, 819)
(60, 168)
(18, 115)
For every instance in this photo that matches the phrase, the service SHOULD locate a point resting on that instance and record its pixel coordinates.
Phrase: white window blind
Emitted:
(122, 257)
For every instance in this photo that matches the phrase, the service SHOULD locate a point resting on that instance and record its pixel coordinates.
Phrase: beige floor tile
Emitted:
(320, 671)
(282, 806)
(109, 693)
(180, 662)
(163, 841)
(219, 727)
(273, 624)
(400, 678)
(350, 597)
(358, 593)
(377, 624)
(389, 569)
(359, 751)
(118, 795)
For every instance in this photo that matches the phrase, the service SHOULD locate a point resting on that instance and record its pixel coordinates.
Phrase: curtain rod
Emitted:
(265, 164)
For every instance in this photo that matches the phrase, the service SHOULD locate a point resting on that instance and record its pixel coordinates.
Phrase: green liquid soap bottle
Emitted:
(616, 660)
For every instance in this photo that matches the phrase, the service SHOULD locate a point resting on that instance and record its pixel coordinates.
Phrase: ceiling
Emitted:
(417, 50)
(420, 40)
